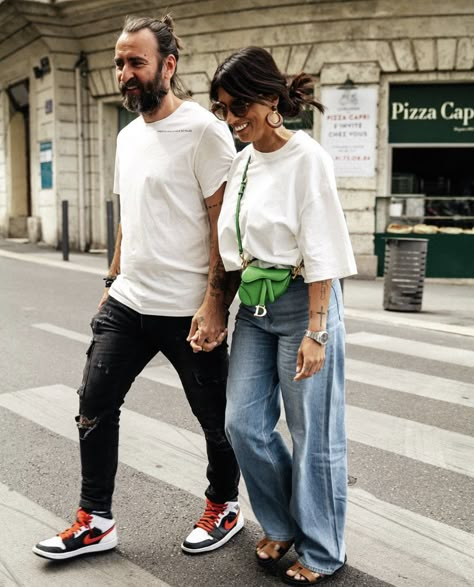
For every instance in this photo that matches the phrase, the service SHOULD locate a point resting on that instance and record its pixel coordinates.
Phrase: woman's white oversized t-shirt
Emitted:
(290, 212)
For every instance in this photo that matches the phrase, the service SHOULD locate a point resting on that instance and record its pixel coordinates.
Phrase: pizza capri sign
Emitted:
(431, 113)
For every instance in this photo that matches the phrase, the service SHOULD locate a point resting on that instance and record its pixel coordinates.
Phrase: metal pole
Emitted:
(110, 231)
(65, 240)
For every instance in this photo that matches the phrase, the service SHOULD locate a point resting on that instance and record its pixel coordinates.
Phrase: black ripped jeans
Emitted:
(124, 341)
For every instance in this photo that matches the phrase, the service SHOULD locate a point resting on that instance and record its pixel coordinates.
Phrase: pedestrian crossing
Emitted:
(153, 447)
(393, 544)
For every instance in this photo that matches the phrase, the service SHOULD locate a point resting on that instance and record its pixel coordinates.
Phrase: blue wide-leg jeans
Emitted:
(300, 495)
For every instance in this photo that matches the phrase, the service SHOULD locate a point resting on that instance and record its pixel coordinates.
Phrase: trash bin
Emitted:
(404, 273)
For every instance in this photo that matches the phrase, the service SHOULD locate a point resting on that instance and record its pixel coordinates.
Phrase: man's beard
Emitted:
(148, 99)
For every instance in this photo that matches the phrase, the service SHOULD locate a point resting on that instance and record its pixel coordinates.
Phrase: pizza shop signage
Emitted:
(431, 113)
(448, 111)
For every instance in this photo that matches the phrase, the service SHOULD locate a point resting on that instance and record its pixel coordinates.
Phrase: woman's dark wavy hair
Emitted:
(252, 75)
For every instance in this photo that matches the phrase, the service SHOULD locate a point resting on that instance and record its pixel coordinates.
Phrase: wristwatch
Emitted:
(320, 336)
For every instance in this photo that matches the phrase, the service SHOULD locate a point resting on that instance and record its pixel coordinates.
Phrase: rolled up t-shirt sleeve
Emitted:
(214, 155)
(322, 234)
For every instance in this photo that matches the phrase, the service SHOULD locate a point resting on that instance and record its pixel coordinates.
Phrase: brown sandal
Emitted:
(275, 549)
(309, 577)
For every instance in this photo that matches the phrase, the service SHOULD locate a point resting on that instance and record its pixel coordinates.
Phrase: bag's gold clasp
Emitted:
(295, 271)
(260, 311)
(244, 261)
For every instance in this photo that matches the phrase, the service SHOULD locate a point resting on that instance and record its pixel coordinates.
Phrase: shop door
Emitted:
(20, 206)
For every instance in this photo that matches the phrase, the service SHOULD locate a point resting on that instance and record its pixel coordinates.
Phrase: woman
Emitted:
(289, 213)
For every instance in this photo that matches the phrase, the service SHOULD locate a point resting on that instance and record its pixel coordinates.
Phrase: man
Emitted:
(166, 286)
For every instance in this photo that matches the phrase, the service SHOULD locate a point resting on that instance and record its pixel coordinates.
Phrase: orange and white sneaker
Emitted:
(90, 533)
(217, 525)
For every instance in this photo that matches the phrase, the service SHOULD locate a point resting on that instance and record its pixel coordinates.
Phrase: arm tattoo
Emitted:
(321, 314)
(324, 290)
(214, 206)
(218, 276)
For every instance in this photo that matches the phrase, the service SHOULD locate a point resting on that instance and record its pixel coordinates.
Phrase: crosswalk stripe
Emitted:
(428, 444)
(23, 521)
(401, 319)
(414, 348)
(56, 263)
(63, 332)
(164, 374)
(405, 548)
(429, 386)
(395, 538)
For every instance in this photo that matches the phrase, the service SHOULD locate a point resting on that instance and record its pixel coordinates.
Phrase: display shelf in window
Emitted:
(446, 221)
(421, 214)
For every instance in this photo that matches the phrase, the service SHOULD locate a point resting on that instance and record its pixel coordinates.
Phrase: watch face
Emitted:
(323, 337)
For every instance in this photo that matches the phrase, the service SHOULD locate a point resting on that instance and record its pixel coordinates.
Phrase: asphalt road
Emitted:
(410, 396)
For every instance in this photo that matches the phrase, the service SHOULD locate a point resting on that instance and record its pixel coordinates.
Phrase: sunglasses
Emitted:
(238, 108)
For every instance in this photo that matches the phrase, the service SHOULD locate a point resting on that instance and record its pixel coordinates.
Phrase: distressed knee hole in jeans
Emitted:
(86, 425)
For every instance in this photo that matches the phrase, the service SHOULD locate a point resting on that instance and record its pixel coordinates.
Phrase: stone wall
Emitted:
(374, 42)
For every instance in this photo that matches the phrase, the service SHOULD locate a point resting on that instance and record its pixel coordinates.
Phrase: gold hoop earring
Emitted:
(279, 118)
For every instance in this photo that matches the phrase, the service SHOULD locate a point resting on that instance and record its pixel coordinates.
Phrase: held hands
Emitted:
(208, 328)
(310, 359)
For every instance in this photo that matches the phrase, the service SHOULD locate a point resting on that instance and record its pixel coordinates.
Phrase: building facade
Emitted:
(397, 79)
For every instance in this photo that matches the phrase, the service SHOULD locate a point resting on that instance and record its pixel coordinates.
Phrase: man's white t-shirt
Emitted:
(290, 211)
(164, 171)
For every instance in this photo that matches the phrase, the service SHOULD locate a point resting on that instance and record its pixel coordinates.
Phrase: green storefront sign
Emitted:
(431, 113)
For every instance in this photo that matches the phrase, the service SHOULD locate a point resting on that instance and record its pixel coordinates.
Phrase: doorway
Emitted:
(20, 203)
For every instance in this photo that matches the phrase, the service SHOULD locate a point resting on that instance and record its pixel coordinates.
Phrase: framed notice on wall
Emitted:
(348, 129)
(46, 164)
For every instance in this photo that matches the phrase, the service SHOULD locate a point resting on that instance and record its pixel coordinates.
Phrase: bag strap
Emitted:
(243, 184)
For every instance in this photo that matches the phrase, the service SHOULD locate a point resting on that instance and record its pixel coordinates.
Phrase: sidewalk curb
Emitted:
(71, 266)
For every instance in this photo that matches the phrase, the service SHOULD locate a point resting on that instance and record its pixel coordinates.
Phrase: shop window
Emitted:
(445, 178)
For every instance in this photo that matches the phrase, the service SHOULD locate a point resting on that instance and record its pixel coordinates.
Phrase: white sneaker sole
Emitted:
(100, 547)
(233, 532)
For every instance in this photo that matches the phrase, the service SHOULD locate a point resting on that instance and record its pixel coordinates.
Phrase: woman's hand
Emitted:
(310, 359)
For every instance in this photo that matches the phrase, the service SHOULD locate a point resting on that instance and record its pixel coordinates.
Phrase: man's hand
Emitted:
(104, 298)
(208, 327)
(310, 359)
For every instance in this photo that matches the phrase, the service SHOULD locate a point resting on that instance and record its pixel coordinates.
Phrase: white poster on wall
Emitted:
(348, 129)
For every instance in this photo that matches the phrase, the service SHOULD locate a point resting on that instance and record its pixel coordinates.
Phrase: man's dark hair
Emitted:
(167, 42)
